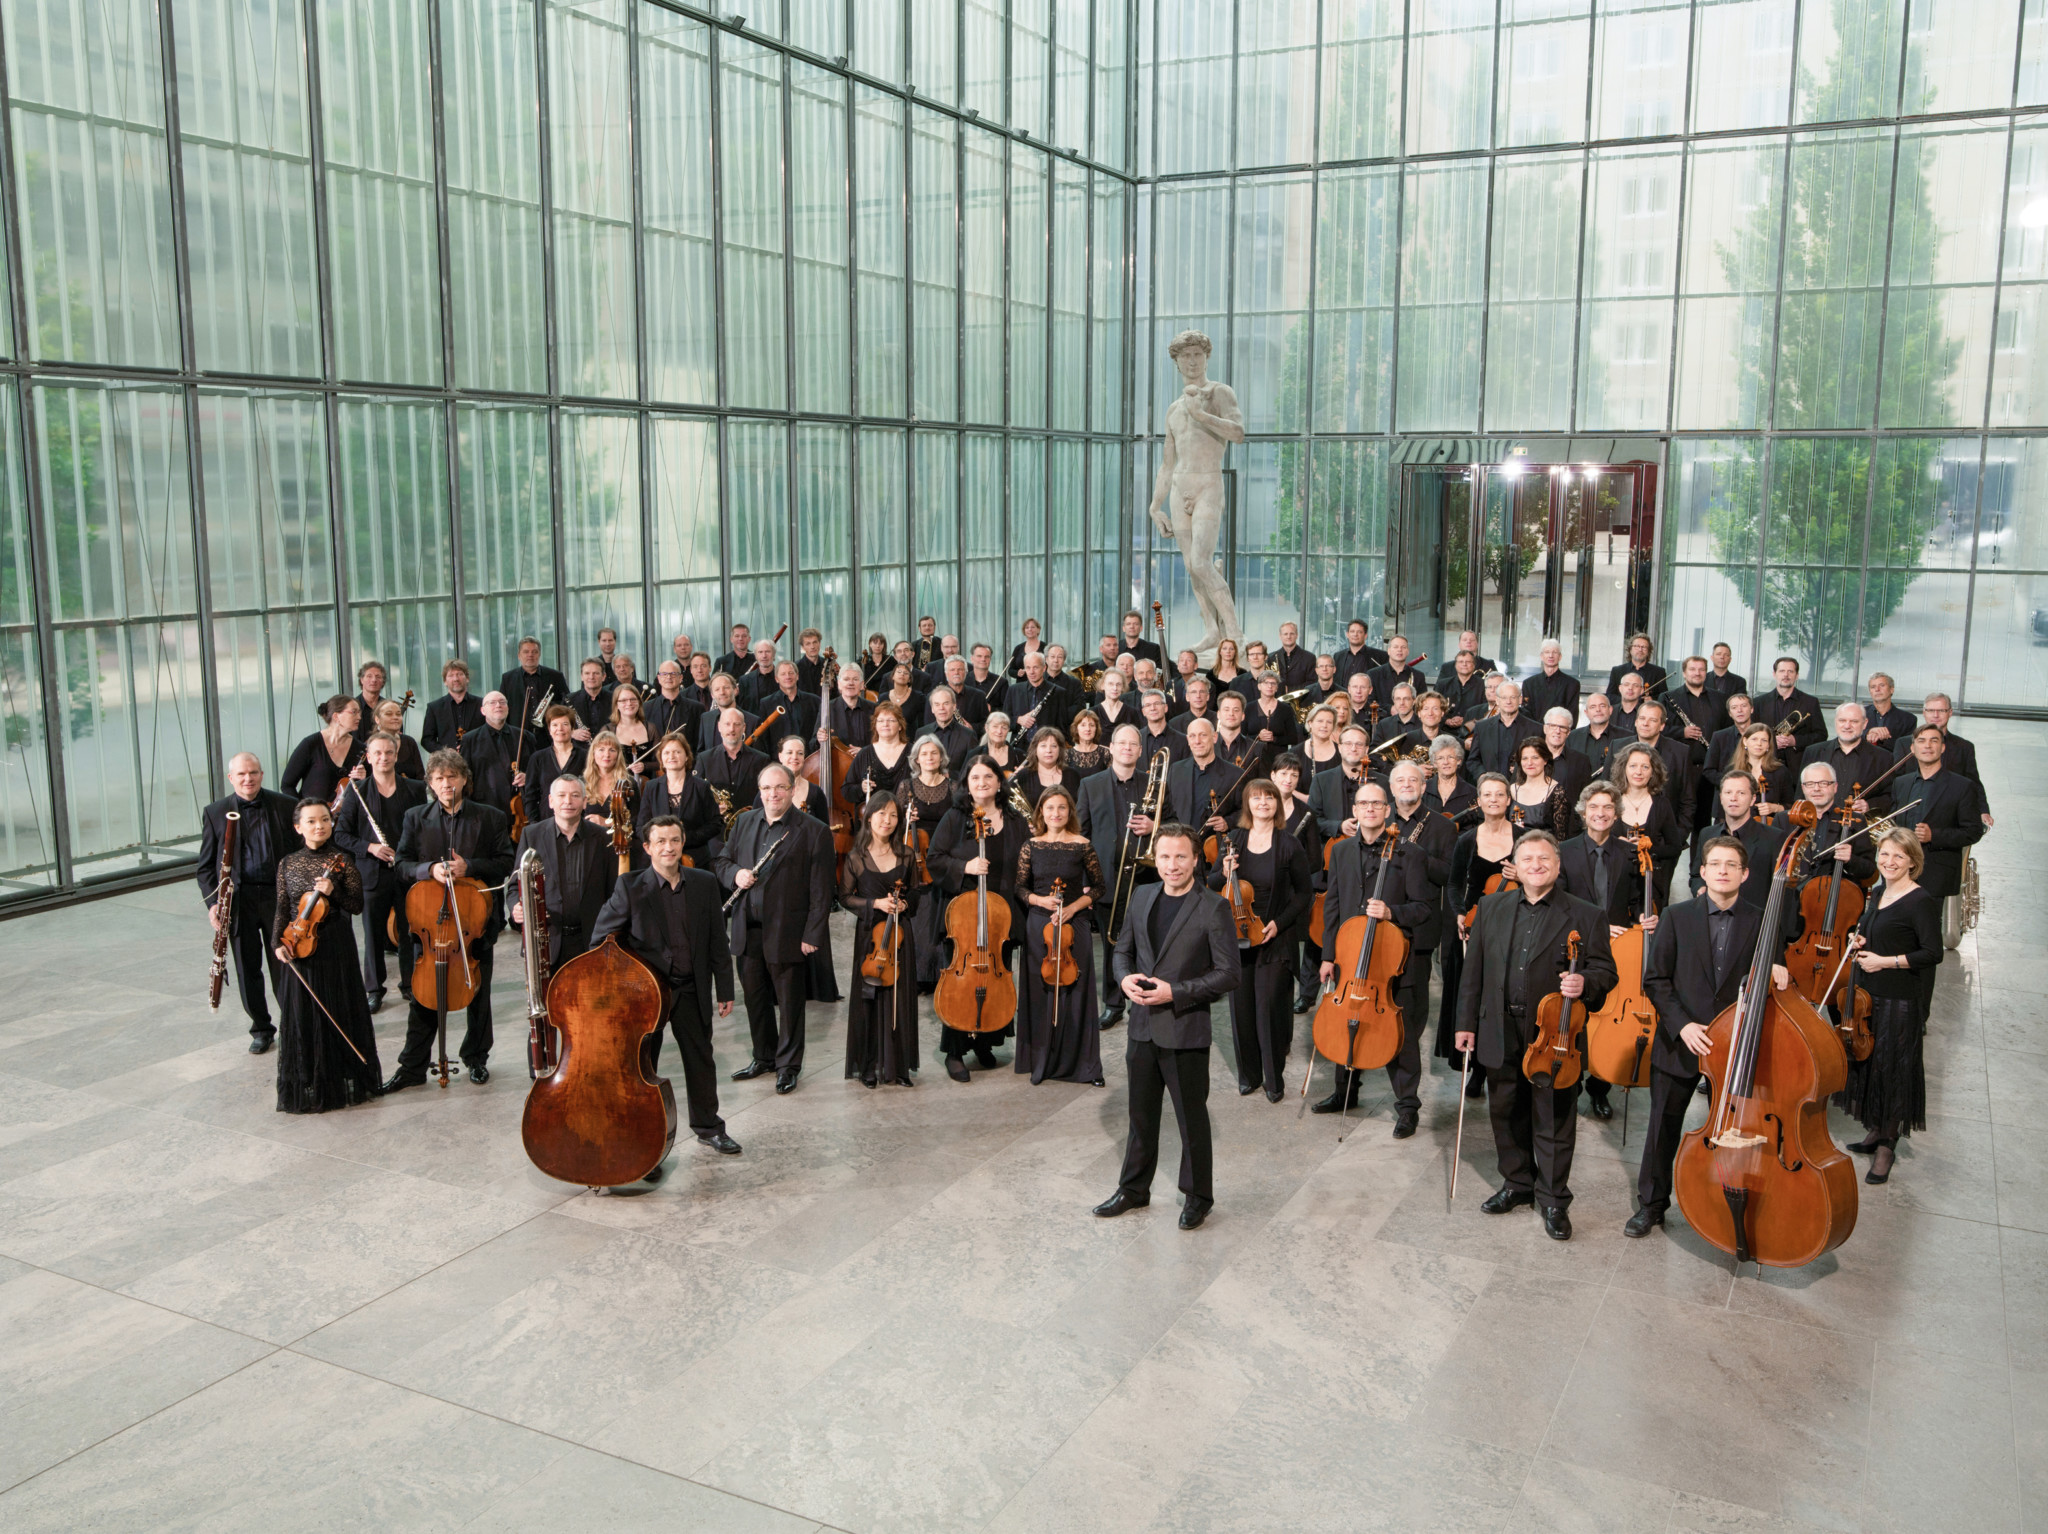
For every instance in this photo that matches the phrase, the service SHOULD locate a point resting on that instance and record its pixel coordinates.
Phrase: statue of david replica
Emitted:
(1187, 501)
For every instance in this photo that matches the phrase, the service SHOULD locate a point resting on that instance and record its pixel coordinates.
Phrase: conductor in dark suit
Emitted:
(1515, 958)
(263, 835)
(1695, 966)
(779, 922)
(578, 870)
(1176, 955)
(667, 916)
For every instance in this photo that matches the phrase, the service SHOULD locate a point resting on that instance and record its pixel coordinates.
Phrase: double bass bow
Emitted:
(976, 993)
(302, 932)
(1762, 1179)
(1358, 1025)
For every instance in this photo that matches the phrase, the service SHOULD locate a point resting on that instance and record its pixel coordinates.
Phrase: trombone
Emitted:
(1151, 804)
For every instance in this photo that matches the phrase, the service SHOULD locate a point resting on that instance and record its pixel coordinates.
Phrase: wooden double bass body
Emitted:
(602, 1117)
(1763, 1179)
(1618, 1035)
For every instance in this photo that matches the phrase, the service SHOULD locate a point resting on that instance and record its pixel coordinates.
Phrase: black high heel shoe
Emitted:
(1862, 1147)
(1882, 1159)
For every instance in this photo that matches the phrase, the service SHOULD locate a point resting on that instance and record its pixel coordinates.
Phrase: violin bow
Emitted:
(293, 966)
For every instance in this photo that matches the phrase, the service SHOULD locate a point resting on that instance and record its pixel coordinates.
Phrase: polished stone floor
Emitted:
(894, 1312)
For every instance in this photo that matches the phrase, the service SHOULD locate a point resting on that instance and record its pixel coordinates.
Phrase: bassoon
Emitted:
(224, 905)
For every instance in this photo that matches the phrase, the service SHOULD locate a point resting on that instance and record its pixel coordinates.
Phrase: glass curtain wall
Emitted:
(404, 329)
(1795, 249)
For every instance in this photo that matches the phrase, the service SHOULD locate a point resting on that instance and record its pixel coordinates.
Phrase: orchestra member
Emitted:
(1597, 739)
(1773, 779)
(1394, 672)
(1448, 792)
(265, 830)
(332, 752)
(1646, 808)
(1133, 640)
(799, 709)
(1541, 803)
(1600, 867)
(1227, 675)
(1159, 733)
(529, 687)
(1320, 752)
(676, 789)
(1851, 760)
(1654, 676)
(1552, 686)
(326, 1046)
(1357, 657)
(359, 830)
(1566, 765)
(1720, 678)
(956, 860)
(1297, 667)
(908, 701)
(880, 765)
(944, 724)
(592, 702)
(1889, 726)
(997, 747)
(732, 767)
(370, 679)
(1086, 754)
(671, 710)
(629, 727)
(879, 879)
(1830, 841)
(1274, 724)
(1897, 951)
(1464, 692)
(1494, 740)
(756, 689)
(1058, 1035)
(926, 794)
(738, 660)
(1030, 644)
(453, 715)
(1483, 849)
(1738, 822)
(810, 662)
(389, 719)
(1277, 868)
(493, 751)
(724, 696)
(1785, 701)
(1109, 804)
(1957, 754)
(1045, 768)
(578, 871)
(1939, 806)
(560, 753)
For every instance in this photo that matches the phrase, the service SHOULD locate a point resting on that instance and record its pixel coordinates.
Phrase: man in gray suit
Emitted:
(1177, 954)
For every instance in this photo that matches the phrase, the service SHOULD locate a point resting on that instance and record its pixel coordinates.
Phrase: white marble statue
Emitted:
(1200, 426)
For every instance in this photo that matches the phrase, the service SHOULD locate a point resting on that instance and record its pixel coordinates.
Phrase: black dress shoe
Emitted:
(260, 1043)
(752, 1069)
(1334, 1103)
(1120, 1202)
(1195, 1211)
(1642, 1222)
(785, 1081)
(1109, 1020)
(400, 1081)
(1477, 1086)
(1303, 1005)
(374, 1000)
(1404, 1126)
(985, 1056)
(479, 1074)
(957, 1068)
(1274, 1094)
(1246, 1088)
(721, 1142)
(659, 1171)
(1505, 1200)
(1600, 1107)
(1557, 1224)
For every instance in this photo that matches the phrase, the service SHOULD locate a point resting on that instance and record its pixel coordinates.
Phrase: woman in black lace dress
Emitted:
(925, 794)
(1900, 945)
(317, 1069)
(957, 861)
(1045, 768)
(1086, 754)
(1060, 1042)
(1276, 866)
(878, 878)
(1539, 794)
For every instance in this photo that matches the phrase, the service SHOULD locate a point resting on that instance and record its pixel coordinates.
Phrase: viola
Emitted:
(621, 817)
(1830, 907)
(1762, 1179)
(1358, 1025)
(885, 945)
(1251, 930)
(302, 932)
(599, 1118)
(976, 993)
(445, 917)
(1059, 968)
(1552, 1057)
(1618, 1035)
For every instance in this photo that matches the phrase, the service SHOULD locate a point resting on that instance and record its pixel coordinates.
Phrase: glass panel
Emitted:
(934, 50)
(414, 640)
(1269, 332)
(1193, 276)
(982, 343)
(2009, 605)
(938, 527)
(1937, 338)
(981, 618)
(884, 524)
(820, 26)
(92, 181)
(675, 207)
(936, 273)
(118, 502)
(823, 514)
(1728, 273)
(818, 237)
(590, 149)
(1069, 126)
(493, 132)
(1849, 59)
(1112, 79)
(1361, 79)
(760, 523)
(1106, 598)
(601, 528)
(1833, 303)
(984, 50)
(28, 846)
(2023, 301)
(685, 469)
(1631, 263)
(1346, 515)
(1711, 544)
(750, 113)
(1442, 275)
(1069, 297)
(1027, 534)
(879, 214)
(264, 464)
(1535, 278)
(1106, 300)
(507, 534)
(1742, 64)
(273, 671)
(1819, 493)
(394, 500)
(1193, 71)
(1543, 61)
(1450, 75)
(1030, 100)
(1915, 596)
(693, 608)
(1354, 341)
(877, 46)
(2033, 72)
(1639, 69)
(378, 140)
(1959, 54)
(1276, 64)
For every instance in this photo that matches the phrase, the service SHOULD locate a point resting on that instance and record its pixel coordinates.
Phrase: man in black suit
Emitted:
(1597, 739)
(374, 810)
(1785, 701)
(263, 835)
(1724, 751)
(778, 922)
(1435, 838)
(1694, 711)
(1854, 760)
(1468, 644)
(1495, 741)
(1331, 791)
(1941, 807)
(945, 725)
(731, 766)
(527, 684)
(1133, 640)
(1760, 843)
(1720, 679)
(923, 650)
(1628, 701)
(1035, 701)
(1357, 657)
(1159, 733)
(592, 701)
(1679, 783)
(1110, 803)
(454, 837)
(710, 725)
(757, 683)
(1694, 969)
(1572, 770)
(1957, 755)
(1654, 676)
(578, 871)
(1176, 955)
(454, 713)
(667, 916)
(1297, 667)
(671, 711)
(496, 771)
(1552, 686)
(1886, 724)
(1190, 784)
(799, 709)
(1464, 692)
(739, 658)
(935, 674)
(1516, 956)
(1394, 672)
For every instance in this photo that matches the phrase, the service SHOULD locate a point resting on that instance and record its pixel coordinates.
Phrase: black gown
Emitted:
(867, 764)
(1887, 1093)
(1550, 813)
(924, 806)
(1086, 761)
(953, 846)
(316, 1070)
(881, 1022)
(1469, 873)
(1067, 1045)
(311, 773)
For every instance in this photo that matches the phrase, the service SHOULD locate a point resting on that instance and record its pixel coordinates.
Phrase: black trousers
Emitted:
(1310, 971)
(249, 941)
(700, 1070)
(1535, 1131)
(1113, 1000)
(1262, 1014)
(1670, 1096)
(378, 905)
(1182, 1074)
(421, 1027)
(775, 995)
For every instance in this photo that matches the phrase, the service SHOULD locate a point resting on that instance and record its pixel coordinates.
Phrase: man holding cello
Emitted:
(1516, 957)
(453, 837)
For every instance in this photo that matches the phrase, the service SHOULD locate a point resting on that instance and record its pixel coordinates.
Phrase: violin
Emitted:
(621, 817)
(302, 933)
(1762, 1179)
(1358, 1025)
(878, 964)
(517, 809)
(599, 1118)
(1251, 930)
(1058, 968)
(1618, 1035)
(1552, 1058)
(976, 993)
(445, 918)
(1831, 907)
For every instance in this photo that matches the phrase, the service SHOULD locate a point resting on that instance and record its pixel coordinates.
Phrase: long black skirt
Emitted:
(316, 1069)
(1447, 1008)
(959, 1041)
(1887, 1093)
(881, 1021)
(1065, 1045)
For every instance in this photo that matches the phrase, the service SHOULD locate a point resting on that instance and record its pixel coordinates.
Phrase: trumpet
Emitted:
(540, 709)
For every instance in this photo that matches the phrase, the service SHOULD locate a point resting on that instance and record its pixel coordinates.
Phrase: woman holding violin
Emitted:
(1538, 793)
(1646, 810)
(1059, 1037)
(331, 753)
(879, 884)
(1273, 882)
(604, 774)
(1482, 852)
(326, 1048)
(675, 789)
(561, 753)
(877, 665)
(926, 793)
(1897, 951)
(957, 859)
(883, 762)
(807, 798)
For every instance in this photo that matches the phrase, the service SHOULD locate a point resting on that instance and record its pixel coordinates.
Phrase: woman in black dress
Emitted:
(1480, 852)
(1114, 705)
(329, 754)
(1298, 819)
(1448, 791)
(1086, 754)
(560, 753)
(1030, 644)
(1898, 948)
(877, 664)
(996, 746)
(1319, 750)
(677, 790)
(956, 861)
(1063, 1042)
(389, 717)
(1227, 673)
(883, 762)
(1269, 721)
(1540, 796)
(1775, 786)
(878, 879)
(926, 793)
(1645, 810)
(1262, 1007)
(910, 703)
(1045, 766)
(322, 1064)
(806, 796)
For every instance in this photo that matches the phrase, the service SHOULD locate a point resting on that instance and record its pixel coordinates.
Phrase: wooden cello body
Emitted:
(1830, 908)
(445, 919)
(602, 1117)
(1763, 1179)
(1618, 1035)
(976, 992)
(1358, 1026)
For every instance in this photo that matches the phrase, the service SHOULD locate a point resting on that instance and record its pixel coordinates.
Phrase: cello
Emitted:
(445, 915)
(1762, 1179)
(1553, 1057)
(976, 993)
(1830, 908)
(1618, 1035)
(602, 1117)
(1358, 1026)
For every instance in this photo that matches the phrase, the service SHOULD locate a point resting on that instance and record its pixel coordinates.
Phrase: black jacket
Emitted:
(541, 771)
(1286, 904)
(1494, 741)
(1682, 982)
(1708, 711)
(708, 741)
(1436, 839)
(1771, 708)
(352, 832)
(1541, 694)
(490, 754)
(1466, 700)
(1354, 871)
(1654, 678)
(1948, 804)
(1624, 877)
(1763, 843)
(1348, 661)
(476, 832)
(1482, 991)
(634, 915)
(1197, 956)
(523, 694)
(596, 868)
(695, 808)
(213, 821)
(1594, 753)
(796, 886)
(677, 716)
(1864, 764)
(444, 716)
(1330, 796)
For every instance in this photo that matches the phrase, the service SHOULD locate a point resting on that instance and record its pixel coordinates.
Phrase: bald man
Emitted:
(263, 835)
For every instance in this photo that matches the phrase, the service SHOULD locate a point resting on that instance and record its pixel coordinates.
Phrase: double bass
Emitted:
(976, 992)
(828, 765)
(1762, 1179)
(1618, 1035)
(602, 1117)
(445, 916)
(1358, 1026)
(1552, 1058)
